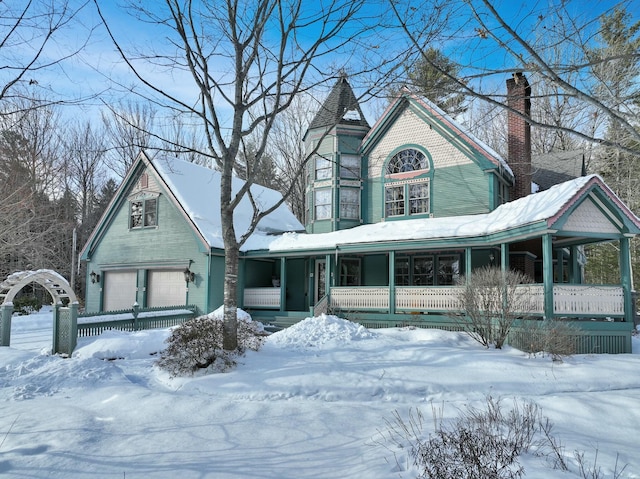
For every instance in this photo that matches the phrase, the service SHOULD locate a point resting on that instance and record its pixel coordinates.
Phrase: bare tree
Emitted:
(28, 30)
(247, 61)
(489, 32)
(127, 129)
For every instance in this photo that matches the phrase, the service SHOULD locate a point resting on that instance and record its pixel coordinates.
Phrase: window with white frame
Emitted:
(143, 213)
(407, 198)
(403, 277)
(350, 203)
(323, 168)
(407, 160)
(322, 204)
(349, 166)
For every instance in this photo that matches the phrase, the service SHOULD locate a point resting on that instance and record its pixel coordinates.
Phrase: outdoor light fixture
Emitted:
(95, 278)
(189, 275)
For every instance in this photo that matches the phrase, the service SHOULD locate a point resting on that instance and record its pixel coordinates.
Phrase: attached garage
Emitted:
(119, 290)
(166, 288)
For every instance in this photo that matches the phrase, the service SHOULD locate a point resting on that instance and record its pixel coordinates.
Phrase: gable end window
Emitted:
(144, 213)
(406, 161)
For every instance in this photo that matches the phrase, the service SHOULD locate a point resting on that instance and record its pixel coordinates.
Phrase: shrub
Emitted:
(26, 305)
(555, 337)
(490, 301)
(197, 345)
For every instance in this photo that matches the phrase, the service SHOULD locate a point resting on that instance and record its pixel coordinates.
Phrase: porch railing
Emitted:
(360, 298)
(262, 298)
(568, 300)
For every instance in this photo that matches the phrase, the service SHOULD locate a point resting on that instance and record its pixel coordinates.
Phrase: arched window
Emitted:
(407, 160)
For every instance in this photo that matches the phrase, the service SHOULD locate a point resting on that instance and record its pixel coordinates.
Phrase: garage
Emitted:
(166, 288)
(119, 290)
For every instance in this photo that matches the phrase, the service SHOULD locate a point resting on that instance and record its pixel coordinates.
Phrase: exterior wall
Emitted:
(169, 245)
(460, 190)
(409, 128)
(587, 217)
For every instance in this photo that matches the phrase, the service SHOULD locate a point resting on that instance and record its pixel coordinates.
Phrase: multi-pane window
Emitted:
(322, 204)
(323, 168)
(427, 270)
(418, 198)
(407, 160)
(423, 271)
(448, 270)
(402, 198)
(403, 277)
(350, 203)
(394, 200)
(144, 213)
(349, 272)
(349, 166)
(503, 193)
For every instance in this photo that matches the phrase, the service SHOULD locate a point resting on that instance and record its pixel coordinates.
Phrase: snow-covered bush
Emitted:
(197, 344)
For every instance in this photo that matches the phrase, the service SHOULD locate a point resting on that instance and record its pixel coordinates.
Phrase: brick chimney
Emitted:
(519, 132)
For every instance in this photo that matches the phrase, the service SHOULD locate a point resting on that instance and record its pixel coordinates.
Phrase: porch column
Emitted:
(504, 256)
(467, 264)
(625, 278)
(560, 263)
(392, 282)
(311, 286)
(574, 267)
(547, 275)
(283, 284)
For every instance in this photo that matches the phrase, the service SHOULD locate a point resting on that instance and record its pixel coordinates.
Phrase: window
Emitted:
(322, 204)
(349, 272)
(407, 197)
(407, 160)
(402, 272)
(503, 193)
(349, 166)
(323, 168)
(144, 213)
(394, 200)
(350, 203)
(423, 271)
(448, 270)
(427, 270)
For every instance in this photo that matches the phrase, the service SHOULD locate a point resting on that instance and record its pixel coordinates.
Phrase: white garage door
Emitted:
(119, 290)
(166, 288)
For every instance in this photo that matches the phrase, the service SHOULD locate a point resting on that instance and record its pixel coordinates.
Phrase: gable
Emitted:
(410, 128)
(589, 218)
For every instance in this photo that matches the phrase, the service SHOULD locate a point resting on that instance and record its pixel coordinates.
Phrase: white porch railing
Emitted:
(588, 299)
(362, 298)
(262, 298)
(415, 298)
(570, 300)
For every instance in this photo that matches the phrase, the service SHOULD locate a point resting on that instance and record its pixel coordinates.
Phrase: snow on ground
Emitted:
(311, 404)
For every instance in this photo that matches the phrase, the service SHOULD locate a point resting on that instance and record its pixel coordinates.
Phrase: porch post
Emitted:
(283, 283)
(392, 282)
(312, 267)
(504, 256)
(547, 275)
(625, 277)
(467, 264)
(560, 263)
(574, 267)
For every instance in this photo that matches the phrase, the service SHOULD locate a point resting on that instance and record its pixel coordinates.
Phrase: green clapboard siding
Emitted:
(148, 248)
(460, 190)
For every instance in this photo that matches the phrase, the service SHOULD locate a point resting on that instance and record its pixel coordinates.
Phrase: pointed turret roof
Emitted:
(340, 107)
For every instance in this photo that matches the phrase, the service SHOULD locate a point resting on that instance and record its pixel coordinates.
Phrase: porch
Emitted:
(585, 301)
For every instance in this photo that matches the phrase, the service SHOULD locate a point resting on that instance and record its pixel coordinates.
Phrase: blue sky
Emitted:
(88, 73)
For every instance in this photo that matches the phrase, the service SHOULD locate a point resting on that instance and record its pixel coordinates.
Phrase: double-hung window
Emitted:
(322, 204)
(144, 213)
(350, 203)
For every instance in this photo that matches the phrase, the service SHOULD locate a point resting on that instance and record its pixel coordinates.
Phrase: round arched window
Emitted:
(406, 161)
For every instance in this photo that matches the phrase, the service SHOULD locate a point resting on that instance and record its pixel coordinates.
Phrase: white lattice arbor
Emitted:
(65, 319)
(55, 284)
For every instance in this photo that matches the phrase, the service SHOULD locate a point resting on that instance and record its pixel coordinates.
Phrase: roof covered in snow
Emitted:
(542, 209)
(197, 189)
